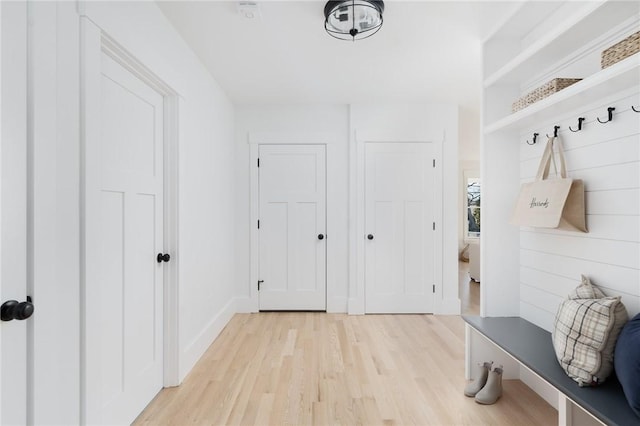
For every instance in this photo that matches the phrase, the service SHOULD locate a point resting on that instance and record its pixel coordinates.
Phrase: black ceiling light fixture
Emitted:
(353, 19)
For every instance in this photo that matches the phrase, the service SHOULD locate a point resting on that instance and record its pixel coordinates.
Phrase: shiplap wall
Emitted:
(607, 158)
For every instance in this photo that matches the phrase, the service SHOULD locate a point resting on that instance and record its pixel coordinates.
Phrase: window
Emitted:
(473, 208)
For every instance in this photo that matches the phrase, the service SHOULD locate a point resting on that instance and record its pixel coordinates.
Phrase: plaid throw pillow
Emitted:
(585, 331)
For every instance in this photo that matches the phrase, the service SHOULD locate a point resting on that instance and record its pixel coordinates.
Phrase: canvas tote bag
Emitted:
(551, 202)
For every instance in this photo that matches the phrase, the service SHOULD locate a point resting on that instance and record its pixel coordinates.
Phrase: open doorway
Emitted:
(469, 266)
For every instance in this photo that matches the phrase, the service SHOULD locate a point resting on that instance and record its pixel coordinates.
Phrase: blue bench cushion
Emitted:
(627, 362)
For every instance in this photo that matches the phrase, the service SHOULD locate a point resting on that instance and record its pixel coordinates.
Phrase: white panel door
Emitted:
(13, 210)
(292, 243)
(399, 245)
(124, 283)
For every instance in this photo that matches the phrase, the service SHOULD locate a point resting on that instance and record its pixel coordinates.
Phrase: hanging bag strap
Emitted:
(543, 168)
(548, 157)
(563, 163)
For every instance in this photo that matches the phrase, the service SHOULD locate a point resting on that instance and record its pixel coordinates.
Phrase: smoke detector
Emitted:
(249, 10)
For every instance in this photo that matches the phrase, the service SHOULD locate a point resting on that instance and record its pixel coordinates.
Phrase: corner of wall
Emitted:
(190, 355)
(245, 305)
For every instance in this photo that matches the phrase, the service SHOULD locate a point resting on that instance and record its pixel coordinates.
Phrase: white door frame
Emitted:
(94, 42)
(357, 165)
(16, 163)
(278, 138)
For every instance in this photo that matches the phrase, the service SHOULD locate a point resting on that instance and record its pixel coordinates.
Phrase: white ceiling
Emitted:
(426, 51)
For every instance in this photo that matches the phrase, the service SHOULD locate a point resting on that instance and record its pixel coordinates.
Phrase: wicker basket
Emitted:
(542, 92)
(627, 47)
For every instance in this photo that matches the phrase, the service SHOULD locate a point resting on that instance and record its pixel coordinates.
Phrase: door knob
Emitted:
(12, 309)
(163, 257)
(320, 236)
(370, 237)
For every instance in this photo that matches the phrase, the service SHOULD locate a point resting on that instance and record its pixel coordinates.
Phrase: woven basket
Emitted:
(542, 92)
(627, 47)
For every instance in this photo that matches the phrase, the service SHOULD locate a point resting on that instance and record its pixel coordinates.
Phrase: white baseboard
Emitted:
(246, 305)
(448, 307)
(355, 306)
(198, 346)
(337, 305)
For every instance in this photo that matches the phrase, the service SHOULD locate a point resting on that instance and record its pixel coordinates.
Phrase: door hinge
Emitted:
(259, 281)
(258, 223)
(434, 226)
(434, 288)
(258, 162)
(434, 162)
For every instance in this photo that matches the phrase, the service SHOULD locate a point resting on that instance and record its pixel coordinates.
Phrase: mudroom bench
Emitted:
(530, 346)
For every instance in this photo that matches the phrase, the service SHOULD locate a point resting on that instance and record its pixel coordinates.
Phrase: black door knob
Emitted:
(163, 257)
(12, 309)
(370, 237)
(320, 236)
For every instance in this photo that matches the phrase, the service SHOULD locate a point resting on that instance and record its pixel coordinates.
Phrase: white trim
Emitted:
(438, 212)
(565, 413)
(467, 352)
(292, 138)
(171, 338)
(254, 192)
(356, 301)
(16, 144)
(446, 306)
(353, 304)
(93, 41)
(199, 345)
(89, 68)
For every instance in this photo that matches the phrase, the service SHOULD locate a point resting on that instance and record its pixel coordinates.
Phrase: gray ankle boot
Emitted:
(490, 393)
(482, 371)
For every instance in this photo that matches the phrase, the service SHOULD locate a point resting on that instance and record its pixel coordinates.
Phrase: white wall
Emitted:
(206, 191)
(286, 122)
(401, 122)
(607, 158)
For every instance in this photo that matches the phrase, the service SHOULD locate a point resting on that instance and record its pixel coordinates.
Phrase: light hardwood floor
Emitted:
(316, 368)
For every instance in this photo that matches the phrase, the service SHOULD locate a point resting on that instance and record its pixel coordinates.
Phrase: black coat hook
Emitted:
(634, 109)
(555, 132)
(580, 120)
(609, 114)
(535, 136)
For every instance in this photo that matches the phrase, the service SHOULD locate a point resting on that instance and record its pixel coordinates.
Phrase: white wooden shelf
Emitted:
(563, 41)
(522, 20)
(617, 77)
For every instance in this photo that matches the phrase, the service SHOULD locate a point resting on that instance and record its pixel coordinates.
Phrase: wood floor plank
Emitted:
(321, 369)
